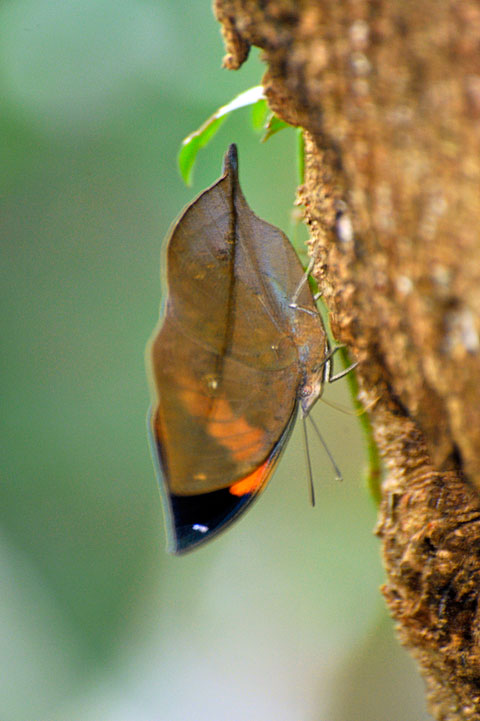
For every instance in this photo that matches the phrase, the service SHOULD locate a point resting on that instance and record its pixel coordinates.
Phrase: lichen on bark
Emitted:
(388, 94)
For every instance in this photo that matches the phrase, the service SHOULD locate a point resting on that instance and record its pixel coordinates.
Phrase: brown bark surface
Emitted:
(388, 93)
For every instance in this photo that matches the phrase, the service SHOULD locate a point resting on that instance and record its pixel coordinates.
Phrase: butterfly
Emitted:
(240, 347)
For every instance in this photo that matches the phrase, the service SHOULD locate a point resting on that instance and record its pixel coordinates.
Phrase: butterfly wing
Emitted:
(225, 361)
(194, 519)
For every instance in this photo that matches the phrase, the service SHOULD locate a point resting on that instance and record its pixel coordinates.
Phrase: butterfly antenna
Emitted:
(309, 462)
(338, 474)
(344, 409)
(348, 411)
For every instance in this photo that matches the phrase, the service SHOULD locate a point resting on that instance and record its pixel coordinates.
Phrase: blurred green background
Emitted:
(280, 618)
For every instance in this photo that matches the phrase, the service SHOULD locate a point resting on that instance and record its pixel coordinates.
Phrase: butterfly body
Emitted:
(231, 361)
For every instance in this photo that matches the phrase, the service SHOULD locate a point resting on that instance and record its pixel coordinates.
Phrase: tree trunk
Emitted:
(388, 93)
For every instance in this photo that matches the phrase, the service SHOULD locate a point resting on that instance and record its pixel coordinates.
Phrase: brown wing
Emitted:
(225, 360)
(214, 430)
(228, 268)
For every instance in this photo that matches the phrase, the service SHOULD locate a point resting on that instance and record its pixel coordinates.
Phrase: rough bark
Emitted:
(388, 93)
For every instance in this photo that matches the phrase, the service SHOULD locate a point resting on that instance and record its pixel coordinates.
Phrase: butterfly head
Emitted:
(311, 390)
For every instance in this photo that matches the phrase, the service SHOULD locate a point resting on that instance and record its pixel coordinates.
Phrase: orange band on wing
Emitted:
(234, 433)
(250, 483)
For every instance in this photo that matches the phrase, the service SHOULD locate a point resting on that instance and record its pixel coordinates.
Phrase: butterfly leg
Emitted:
(331, 377)
(293, 303)
(316, 296)
(330, 352)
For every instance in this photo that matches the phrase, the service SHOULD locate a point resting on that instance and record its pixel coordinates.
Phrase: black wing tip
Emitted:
(195, 520)
(183, 539)
(230, 160)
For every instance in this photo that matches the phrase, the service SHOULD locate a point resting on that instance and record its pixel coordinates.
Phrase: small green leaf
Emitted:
(199, 138)
(192, 144)
(259, 114)
(273, 125)
(248, 97)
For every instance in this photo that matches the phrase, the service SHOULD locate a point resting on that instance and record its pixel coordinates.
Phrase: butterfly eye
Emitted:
(306, 391)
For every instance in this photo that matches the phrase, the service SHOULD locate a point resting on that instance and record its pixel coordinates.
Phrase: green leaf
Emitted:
(300, 156)
(199, 138)
(192, 144)
(273, 125)
(374, 471)
(259, 114)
